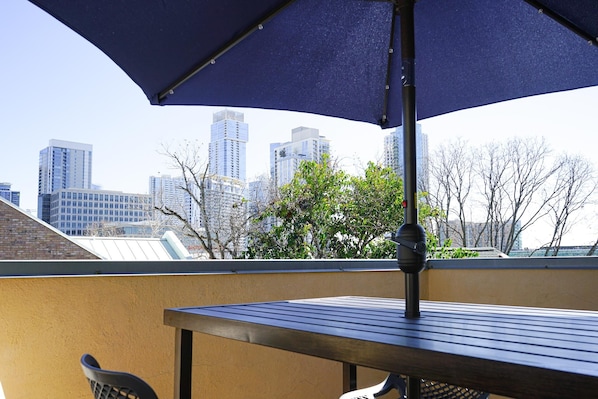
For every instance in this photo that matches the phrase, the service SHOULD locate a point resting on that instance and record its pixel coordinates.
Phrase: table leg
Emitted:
(183, 355)
(349, 377)
(413, 388)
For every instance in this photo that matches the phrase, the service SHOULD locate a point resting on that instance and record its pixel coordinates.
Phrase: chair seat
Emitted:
(429, 390)
(440, 390)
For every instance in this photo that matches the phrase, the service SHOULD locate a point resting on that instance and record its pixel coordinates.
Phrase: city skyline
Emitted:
(58, 85)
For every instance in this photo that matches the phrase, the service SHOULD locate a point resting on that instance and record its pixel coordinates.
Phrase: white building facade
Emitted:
(228, 145)
(306, 145)
(75, 211)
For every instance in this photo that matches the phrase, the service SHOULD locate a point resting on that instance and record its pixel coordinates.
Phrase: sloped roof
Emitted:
(168, 247)
(25, 237)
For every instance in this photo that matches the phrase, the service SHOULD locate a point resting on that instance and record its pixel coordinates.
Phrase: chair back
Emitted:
(106, 384)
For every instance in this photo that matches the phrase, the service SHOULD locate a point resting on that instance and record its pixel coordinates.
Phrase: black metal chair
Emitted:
(429, 390)
(106, 384)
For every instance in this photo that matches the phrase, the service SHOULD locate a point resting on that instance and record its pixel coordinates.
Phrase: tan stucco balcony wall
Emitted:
(552, 288)
(48, 322)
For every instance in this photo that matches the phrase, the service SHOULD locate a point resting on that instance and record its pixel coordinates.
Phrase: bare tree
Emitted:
(508, 187)
(492, 170)
(213, 211)
(440, 191)
(102, 229)
(452, 171)
(532, 171)
(150, 228)
(224, 215)
(575, 184)
(514, 175)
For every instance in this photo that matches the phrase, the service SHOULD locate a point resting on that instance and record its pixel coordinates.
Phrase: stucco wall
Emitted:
(553, 288)
(46, 324)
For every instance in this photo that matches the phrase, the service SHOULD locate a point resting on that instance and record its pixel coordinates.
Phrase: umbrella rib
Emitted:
(384, 119)
(222, 50)
(563, 21)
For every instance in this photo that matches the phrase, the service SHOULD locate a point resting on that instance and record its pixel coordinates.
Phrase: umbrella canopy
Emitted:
(339, 58)
(353, 59)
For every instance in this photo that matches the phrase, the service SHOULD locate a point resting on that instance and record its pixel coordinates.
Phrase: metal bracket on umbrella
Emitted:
(418, 247)
(411, 257)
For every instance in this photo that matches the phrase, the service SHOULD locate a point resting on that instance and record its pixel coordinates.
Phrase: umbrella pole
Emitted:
(411, 237)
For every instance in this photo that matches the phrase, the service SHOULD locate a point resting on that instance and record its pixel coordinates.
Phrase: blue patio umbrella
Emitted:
(354, 59)
(340, 58)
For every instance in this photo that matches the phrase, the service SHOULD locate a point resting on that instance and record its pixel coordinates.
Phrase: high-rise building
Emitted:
(77, 211)
(63, 164)
(395, 159)
(225, 215)
(10, 195)
(259, 194)
(223, 188)
(168, 191)
(228, 142)
(306, 145)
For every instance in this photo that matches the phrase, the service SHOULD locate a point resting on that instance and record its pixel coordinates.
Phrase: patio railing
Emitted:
(53, 312)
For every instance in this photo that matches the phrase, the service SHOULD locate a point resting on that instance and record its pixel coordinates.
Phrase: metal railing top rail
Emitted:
(23, 268)
(38, 268)
(548, 262)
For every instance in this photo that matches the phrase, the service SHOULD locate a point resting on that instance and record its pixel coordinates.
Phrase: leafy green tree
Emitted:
(446, 251)
(373, 208)
(306, 215)
(325, 213)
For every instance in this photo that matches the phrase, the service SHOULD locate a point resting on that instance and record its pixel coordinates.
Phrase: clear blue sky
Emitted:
(55, 85)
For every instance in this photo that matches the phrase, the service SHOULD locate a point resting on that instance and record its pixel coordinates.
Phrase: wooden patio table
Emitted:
(519, 352)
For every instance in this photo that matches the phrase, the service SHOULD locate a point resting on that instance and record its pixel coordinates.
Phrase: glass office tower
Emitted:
(63, 164)
(228, 145)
